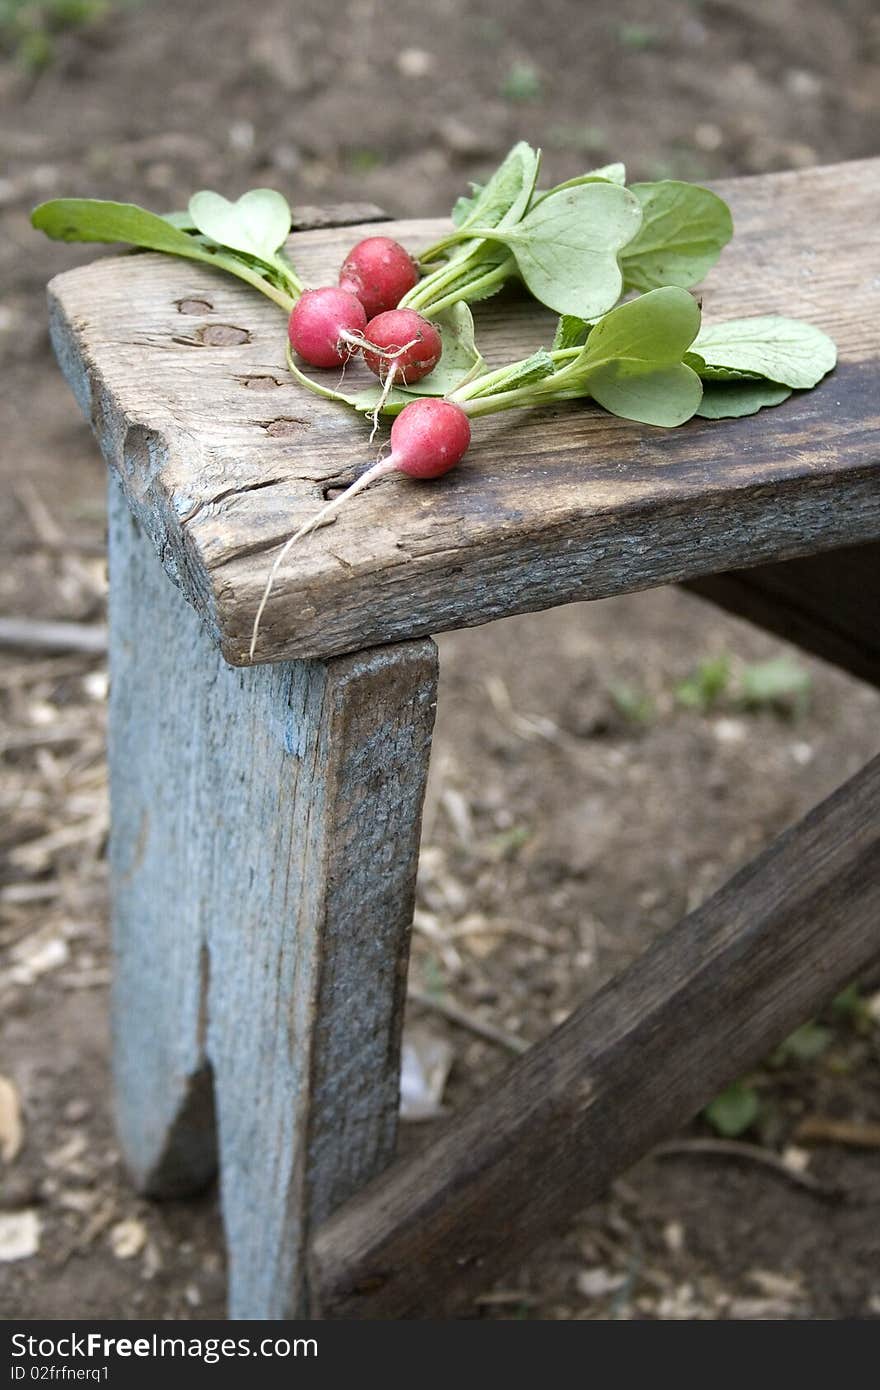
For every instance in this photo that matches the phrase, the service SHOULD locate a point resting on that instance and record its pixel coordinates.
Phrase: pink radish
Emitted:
(326, 326)
(428, 438)
(379, 272)
(402, 342)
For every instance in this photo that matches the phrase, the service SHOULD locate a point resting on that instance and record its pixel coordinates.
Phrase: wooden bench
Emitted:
(266, 819)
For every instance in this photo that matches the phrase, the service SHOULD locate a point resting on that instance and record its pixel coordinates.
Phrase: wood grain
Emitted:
(263, 852)
(706, 1002)
(222, 455)
(829, 604)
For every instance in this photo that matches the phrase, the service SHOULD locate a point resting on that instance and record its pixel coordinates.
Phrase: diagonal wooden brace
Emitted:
(632, 1065)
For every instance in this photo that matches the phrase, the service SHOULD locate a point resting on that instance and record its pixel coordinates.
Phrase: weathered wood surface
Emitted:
(263, 852)
(828, 604)
(634, 1063)
(222, 455)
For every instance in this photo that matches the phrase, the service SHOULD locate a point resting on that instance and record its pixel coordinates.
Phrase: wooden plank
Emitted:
(35, 635)
(829, 604)
(221, 454)
(264, 847)
(706, 1002)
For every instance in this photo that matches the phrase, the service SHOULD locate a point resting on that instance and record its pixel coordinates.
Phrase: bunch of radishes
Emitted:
(328, 325)
(580, 249)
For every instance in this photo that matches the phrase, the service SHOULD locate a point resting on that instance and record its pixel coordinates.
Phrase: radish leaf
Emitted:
(570, 332)
(504, 199)
(609, 173)
(709, 373)
(780, 349)
(728, 400)
(93, 219)
(258, 224)
(657, 327)
(632, 361)
(566, 247)
(663, 394)
(683, 230)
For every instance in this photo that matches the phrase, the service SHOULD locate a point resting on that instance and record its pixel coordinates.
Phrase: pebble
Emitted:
(19, 1234)
(708, 137)
(414, 62)
(598, 1283)
(128, 1238)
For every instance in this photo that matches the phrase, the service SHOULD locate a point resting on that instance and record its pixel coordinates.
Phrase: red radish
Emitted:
(428, 438)
(379, 272)
(409, 346)
(326, 326)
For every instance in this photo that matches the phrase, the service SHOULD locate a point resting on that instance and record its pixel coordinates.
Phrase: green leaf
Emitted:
(570, 332)
(708, 373)
(780, 681)
(366, 401)
(522, 83)
(566, 246)
(729, 400)
(504, 199)
(850, 1005)
(684, 228)
(609, 173)
(734, 1110)
(805, 1044)
(181, 220)
(614, 173)
(652, 394)
(706, 685)
(780, 349)
(93, 219)
(258, 224)
(631, 363)
(657, 327)
(632, 704)
(462, 207)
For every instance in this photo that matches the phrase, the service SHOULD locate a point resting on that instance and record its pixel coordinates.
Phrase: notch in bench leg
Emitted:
(263, 857)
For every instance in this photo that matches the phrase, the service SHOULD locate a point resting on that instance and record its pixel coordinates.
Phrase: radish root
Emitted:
(387, 387)
(327, 512)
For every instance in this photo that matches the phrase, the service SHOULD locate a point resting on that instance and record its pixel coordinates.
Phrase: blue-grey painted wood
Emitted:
(263, 850)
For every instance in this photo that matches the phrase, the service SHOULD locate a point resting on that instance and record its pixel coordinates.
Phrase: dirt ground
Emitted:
(577, 805)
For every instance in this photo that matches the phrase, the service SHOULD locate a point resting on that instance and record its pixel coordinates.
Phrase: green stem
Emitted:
(437, 280)
(278, 296)
(496, 276)
(482, 385)
(315, 386)
(432, 252)
(288, 274)
(525, 397)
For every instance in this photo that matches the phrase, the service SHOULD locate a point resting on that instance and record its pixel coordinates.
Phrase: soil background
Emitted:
(577, 807)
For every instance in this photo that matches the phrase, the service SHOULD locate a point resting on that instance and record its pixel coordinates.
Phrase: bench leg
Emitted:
(263, 856)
